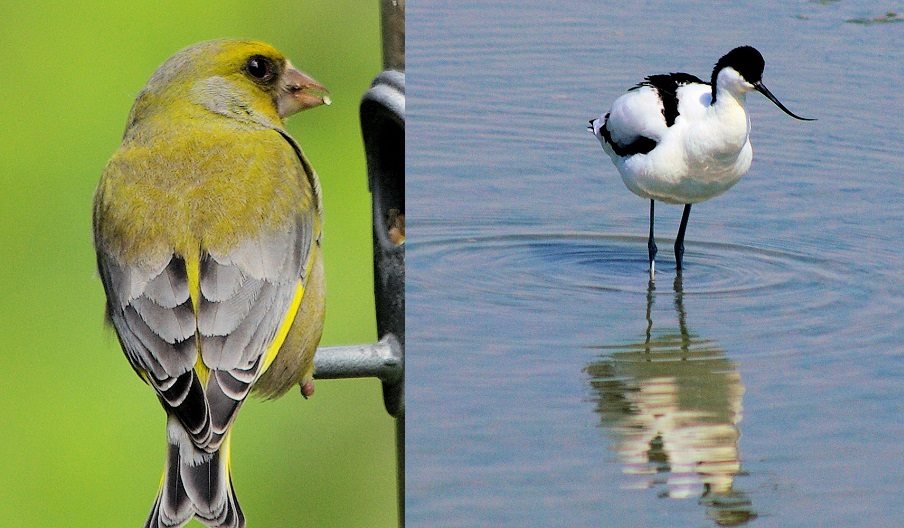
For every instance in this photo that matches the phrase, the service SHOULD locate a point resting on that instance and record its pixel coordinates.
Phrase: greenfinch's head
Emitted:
(242, 79)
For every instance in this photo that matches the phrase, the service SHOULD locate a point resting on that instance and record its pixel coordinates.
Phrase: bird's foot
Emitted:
(307, 388)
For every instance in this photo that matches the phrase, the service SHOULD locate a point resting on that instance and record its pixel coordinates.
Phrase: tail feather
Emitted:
(195, 484)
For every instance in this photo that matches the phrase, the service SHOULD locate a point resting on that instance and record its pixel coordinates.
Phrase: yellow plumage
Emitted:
(207, 229)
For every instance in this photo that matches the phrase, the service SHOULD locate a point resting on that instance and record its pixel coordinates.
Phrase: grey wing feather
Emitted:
(159, 341)
(222, 317)
(173, 325)
(168, 289)
(245, 295)
(248, 319)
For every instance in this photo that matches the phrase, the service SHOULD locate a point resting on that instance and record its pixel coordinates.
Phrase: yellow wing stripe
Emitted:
(287, 321)
(202, 371)
(193, 276)
(193, 273)
(284, 326)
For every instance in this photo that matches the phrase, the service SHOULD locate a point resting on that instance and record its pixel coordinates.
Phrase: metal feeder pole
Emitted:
(383, 129)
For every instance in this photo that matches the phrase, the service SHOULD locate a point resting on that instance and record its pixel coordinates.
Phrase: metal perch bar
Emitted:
(381, 360)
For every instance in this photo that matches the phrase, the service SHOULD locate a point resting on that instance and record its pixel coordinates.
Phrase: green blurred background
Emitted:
(83, 438)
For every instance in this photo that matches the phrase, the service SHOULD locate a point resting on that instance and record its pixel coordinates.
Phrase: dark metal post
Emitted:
(392, 14)
(383, 129)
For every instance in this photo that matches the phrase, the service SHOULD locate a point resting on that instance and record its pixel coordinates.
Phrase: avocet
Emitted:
(681, 140)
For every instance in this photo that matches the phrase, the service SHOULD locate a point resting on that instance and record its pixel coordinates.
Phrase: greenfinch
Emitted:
(207, 228)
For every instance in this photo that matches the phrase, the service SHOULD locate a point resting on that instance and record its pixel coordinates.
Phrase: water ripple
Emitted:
(553, 264)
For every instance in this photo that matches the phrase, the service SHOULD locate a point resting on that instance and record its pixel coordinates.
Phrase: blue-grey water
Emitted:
(549, 383)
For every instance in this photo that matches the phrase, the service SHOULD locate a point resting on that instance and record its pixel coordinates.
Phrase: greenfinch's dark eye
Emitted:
(261, 69)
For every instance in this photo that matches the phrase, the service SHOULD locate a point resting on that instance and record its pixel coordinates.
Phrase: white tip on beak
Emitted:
(299, 91)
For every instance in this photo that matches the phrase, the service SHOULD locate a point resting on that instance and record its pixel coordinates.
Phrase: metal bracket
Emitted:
(383, 128)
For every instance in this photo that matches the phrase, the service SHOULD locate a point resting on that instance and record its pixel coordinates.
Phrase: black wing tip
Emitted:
(640, 145)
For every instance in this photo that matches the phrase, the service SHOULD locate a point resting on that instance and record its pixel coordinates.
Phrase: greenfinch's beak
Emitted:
(299, 91)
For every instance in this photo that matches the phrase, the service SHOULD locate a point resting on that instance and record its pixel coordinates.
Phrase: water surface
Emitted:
(549, 382)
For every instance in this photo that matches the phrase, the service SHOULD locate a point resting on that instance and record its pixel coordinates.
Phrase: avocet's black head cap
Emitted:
(746, 60)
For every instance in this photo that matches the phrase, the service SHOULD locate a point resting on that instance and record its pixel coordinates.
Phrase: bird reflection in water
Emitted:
(672, 403)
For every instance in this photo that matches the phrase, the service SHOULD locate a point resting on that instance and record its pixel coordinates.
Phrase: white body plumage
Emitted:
(702, 155)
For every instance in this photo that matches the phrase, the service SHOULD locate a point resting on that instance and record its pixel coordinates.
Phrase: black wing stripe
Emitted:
(641, 145)
(666, 86)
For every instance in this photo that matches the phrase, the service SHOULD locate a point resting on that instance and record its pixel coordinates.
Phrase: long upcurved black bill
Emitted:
(760, 87)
